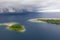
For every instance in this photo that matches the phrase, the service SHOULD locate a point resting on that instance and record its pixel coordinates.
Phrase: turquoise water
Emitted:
(34, 31)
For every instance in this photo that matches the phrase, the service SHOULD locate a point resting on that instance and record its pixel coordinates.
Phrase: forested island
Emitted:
(48, 20)
(16, 27)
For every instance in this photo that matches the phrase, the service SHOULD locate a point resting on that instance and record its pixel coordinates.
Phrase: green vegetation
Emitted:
(53, 21)
(17, 27)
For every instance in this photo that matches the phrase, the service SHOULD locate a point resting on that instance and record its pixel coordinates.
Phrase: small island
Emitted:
(16, 27)
(48, 20)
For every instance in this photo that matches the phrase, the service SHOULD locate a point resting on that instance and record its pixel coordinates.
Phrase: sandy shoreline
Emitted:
(10, 24)
(35, 19)
(19, 30)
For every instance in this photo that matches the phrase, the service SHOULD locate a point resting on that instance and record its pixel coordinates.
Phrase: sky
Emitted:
(38, 5)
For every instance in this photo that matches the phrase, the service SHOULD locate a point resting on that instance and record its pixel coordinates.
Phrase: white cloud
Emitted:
(52, 10)
(50, 6)
(40, 5)
(16, 5)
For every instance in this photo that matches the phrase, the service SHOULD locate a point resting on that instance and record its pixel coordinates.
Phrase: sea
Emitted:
(34, 31)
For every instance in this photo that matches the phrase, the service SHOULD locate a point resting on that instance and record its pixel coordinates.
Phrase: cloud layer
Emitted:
(30, 5)
(17, 5)
(50, 6)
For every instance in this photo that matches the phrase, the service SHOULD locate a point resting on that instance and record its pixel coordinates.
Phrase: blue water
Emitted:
(34, 31)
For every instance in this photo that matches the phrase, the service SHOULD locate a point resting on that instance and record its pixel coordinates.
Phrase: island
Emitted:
(14, 26)
(48, 20)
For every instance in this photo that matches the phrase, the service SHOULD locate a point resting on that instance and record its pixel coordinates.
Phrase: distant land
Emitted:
(48, 20)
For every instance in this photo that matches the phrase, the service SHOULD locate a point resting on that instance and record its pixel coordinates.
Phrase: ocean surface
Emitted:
(34, 31)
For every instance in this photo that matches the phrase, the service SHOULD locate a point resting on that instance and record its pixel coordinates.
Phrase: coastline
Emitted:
(10, 24)
(23, 30)
(35, 19)
(19, 30)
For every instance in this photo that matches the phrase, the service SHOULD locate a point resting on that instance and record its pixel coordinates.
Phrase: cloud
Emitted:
(15, 5)
(50, 6)
(30, 5)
